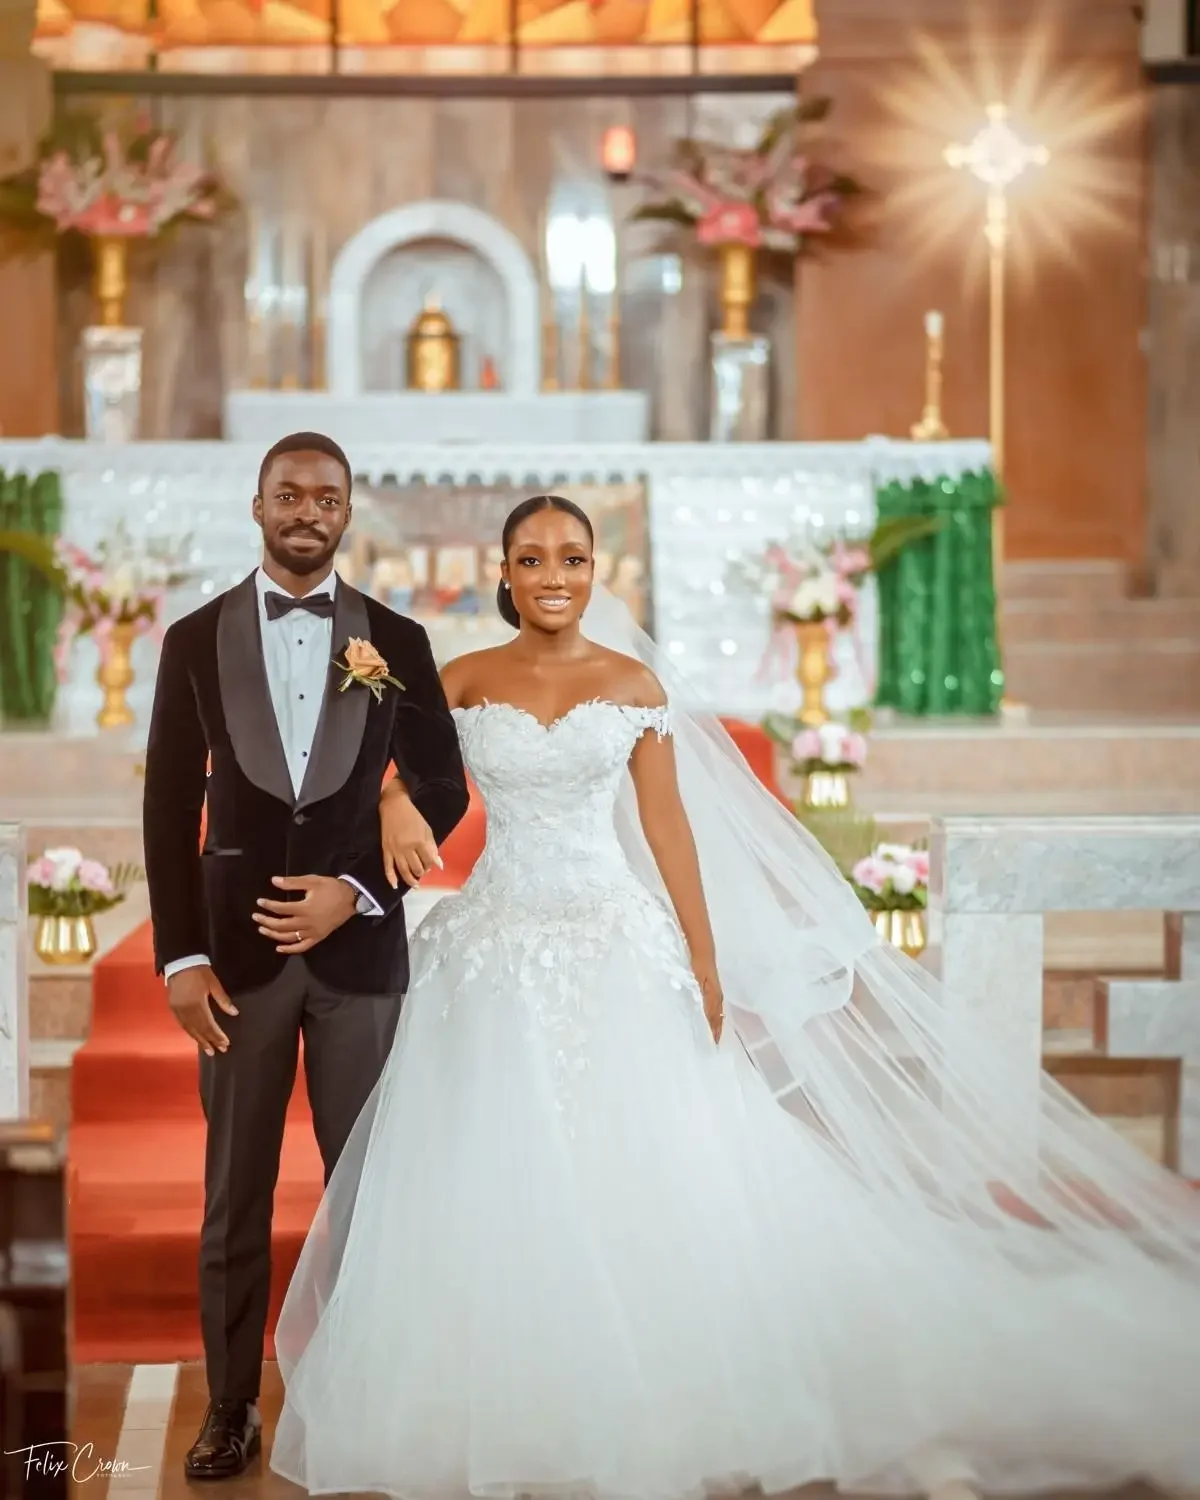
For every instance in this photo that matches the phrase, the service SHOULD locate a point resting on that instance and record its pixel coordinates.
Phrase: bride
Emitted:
(677, 1179)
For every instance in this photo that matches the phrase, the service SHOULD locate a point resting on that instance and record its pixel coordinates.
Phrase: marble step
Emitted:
(941, 759)
(1084, 579)
(1133, 677)
(60, 1003)
(50, 1061)
(48, 764)
(1114, 623)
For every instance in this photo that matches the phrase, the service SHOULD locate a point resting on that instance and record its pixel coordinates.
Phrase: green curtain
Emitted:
(31, 608)
(938, 651)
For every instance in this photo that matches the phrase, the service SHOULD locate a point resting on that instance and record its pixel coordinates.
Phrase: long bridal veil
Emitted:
(942, 1121)
(921, 1100)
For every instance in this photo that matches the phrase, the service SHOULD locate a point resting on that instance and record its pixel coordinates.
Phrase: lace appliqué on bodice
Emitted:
(553, 892)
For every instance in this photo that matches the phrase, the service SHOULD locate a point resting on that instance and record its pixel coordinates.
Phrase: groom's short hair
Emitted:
(305, 442)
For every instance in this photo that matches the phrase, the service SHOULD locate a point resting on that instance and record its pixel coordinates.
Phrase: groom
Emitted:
(280, 704)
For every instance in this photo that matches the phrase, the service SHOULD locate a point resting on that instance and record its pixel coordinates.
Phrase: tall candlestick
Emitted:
(294, 283)
(256, 333)
(318, 287)
(931, 429)
(549, 310)
(613, 381)
(585, 334)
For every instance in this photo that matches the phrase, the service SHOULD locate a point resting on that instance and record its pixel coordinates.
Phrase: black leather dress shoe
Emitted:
(229, 1439)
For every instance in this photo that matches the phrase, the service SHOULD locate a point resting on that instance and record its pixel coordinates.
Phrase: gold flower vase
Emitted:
(813, 671)
(110, 286)
(826, 789)
(64, 940)
(738, 289)
(902, 929)
(115, 676)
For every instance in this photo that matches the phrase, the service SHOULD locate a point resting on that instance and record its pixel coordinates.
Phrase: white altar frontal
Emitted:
(704, 506)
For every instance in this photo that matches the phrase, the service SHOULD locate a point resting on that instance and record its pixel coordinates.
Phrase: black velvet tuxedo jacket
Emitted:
(213, 736)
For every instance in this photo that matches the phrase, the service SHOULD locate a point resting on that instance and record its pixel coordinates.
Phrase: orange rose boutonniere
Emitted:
(363, 664)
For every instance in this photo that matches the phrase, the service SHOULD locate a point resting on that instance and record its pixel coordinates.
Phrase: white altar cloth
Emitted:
(708, 503)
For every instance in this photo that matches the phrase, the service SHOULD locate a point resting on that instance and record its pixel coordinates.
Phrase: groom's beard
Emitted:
(301, 561)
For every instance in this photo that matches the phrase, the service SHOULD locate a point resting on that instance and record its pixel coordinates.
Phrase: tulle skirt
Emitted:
(575, 1248)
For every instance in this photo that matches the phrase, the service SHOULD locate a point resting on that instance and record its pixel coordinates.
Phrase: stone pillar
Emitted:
(14, 975)
(29, 381)
(991, 882)
(1161, 1017)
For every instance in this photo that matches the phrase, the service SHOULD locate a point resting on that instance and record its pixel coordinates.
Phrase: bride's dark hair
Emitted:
(520, 513)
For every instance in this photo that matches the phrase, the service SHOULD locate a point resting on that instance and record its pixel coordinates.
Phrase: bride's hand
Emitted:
(714, 1000)
(409, 848)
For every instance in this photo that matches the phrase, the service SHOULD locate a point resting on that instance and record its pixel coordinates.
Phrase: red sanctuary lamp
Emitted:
(618, 152)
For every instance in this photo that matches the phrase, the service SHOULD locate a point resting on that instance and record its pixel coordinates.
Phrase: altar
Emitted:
(671, 520)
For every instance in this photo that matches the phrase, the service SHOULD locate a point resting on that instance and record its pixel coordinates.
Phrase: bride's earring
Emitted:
(507, 585)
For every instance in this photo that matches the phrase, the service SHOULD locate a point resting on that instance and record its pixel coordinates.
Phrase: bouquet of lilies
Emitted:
(894, 877)
(62, 883)
(771, 196)
(94, 182)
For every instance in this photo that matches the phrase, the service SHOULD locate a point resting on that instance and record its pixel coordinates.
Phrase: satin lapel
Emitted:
(246, 695)
(343, 715)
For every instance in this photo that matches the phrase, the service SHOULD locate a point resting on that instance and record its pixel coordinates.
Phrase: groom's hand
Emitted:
(297, 926)
(189, 993)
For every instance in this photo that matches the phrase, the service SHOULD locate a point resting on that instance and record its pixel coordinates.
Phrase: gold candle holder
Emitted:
(931, 429)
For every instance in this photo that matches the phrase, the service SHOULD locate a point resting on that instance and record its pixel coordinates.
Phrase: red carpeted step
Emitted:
(136, 1204)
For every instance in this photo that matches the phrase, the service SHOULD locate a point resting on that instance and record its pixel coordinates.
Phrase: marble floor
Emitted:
(144, 1418)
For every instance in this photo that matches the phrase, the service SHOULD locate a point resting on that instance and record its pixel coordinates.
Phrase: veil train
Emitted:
(865, 1046)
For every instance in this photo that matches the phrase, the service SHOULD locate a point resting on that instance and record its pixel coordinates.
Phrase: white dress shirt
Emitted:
(297, 648)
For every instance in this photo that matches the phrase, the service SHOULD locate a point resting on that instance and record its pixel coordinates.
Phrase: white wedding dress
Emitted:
(575, 1247)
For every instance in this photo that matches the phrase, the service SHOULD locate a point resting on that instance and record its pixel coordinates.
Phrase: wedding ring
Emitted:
(298, 938)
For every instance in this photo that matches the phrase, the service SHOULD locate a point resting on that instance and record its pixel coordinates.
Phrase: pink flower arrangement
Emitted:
(771, 196)
(62, 883)
(126, 585)
(123, 193)
(894, 877)
(94, 182)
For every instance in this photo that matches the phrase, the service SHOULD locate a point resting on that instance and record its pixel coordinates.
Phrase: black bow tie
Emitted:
(315, 604)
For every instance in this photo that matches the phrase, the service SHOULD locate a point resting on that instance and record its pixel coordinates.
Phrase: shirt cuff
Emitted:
(177, 966)
(366, 906)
